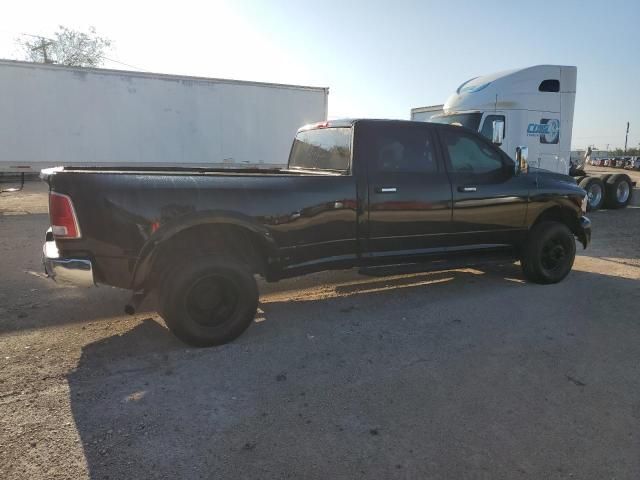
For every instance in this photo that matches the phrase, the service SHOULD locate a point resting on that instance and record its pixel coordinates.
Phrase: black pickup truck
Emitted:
(355, 193)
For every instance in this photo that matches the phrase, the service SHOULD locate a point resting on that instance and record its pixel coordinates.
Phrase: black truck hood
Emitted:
(557, 181)
(546, 174)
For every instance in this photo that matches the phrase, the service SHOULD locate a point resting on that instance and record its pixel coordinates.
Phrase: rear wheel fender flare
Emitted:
(165, 233)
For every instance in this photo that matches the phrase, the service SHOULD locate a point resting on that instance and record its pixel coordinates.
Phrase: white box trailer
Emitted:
(424, 114)
(53, 115)
(534, 107)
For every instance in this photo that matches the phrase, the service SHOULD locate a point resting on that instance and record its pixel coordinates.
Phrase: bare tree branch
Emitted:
(68, 47)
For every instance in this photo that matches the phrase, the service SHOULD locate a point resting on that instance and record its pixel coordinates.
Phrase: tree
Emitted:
(619, 152)
(68, 47)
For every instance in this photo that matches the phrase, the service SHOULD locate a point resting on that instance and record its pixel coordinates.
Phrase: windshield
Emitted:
(467, 120)
(322, 149)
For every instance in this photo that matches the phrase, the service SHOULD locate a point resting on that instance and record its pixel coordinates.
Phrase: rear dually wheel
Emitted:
(209, 301)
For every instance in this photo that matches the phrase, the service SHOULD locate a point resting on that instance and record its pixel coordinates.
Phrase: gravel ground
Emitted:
(468, 373)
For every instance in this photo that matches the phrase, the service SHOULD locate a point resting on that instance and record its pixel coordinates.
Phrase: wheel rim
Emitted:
(622, 192)
(555, 253)
(211, 301)
(595, 194)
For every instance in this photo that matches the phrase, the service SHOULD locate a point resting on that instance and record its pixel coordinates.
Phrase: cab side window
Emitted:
(469, 156)
(487, 127)
(550, 85)
(401, 149)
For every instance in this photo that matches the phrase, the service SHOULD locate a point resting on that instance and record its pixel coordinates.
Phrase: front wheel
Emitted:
(548, 253)
(209, 301)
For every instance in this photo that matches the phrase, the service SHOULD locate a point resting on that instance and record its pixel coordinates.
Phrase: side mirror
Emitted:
(498, 132)
(522, 155)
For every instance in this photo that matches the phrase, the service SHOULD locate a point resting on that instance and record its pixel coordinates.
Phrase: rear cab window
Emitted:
(324, 149)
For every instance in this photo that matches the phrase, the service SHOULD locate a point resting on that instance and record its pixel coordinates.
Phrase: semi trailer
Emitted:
(424, 114)
(56, 115)
(531, 108)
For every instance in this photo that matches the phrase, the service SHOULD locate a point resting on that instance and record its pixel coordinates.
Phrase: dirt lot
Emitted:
(458, 374)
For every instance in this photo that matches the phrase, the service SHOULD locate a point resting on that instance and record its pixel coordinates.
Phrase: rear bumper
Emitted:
(66, 271)
(584, 231)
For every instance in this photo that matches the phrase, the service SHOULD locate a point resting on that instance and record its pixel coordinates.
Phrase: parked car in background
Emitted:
(634, 164)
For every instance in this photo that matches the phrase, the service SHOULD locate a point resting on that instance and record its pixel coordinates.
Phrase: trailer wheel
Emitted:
(548, 253)
(209, 301)
(595, 192)
(619, 190)
(604, 178)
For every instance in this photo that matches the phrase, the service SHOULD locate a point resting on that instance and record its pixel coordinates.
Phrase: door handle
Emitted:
(467, 189)
(386, 189)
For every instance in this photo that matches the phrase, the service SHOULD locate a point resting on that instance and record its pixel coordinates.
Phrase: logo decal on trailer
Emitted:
(548, 130)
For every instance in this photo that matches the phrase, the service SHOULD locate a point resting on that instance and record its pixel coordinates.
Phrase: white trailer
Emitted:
(424, 114)
(532, 108)
(53, 115)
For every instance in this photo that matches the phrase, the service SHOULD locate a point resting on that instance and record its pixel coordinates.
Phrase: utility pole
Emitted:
(626, 137)
(43, 46)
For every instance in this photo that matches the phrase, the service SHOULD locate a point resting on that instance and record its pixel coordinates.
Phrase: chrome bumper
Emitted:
(66, 271)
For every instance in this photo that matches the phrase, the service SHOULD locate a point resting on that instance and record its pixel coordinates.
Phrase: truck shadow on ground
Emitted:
(432, 374)
(45, 304)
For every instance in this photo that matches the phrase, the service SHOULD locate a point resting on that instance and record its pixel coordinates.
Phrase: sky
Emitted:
(379, 58)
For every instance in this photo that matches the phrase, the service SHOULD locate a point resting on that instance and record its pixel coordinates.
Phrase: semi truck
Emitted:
(531, 108)
(57, 115)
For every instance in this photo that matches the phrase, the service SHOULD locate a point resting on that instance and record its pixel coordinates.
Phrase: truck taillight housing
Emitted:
(64, 223)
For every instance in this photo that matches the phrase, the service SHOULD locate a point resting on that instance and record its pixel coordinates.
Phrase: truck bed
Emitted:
(136, 170)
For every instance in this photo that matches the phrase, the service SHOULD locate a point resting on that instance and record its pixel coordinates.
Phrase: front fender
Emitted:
(565, 210)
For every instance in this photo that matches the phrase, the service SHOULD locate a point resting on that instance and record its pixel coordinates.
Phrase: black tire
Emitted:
(619, 190)
(209, 301)
(548, 253)
(595, 192)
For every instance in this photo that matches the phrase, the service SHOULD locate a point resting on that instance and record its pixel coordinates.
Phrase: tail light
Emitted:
(64, 223)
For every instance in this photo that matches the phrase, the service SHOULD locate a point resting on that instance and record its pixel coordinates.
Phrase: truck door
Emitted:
(409, 193)
(489, 199)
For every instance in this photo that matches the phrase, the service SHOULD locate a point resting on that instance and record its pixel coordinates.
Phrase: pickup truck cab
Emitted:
(355, 193)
